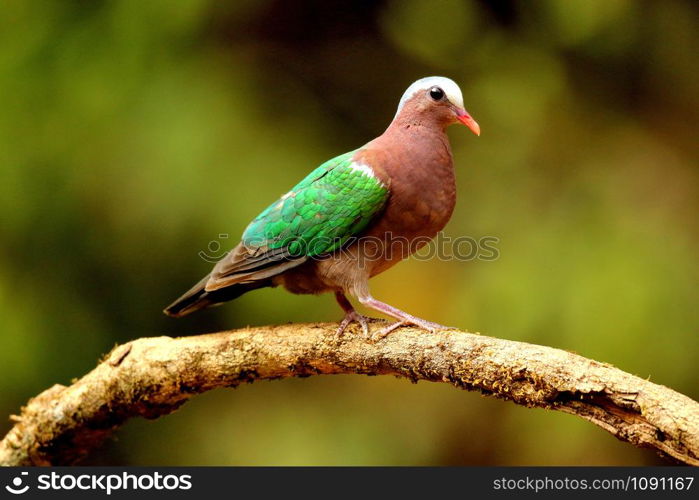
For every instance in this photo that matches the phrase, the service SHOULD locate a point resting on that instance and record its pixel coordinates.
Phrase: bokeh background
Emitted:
(133, 133)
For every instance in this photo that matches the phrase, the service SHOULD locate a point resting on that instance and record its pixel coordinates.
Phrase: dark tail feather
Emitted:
(197, 298)
(194, 299)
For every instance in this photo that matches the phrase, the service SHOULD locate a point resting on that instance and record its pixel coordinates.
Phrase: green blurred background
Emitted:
(133, 133)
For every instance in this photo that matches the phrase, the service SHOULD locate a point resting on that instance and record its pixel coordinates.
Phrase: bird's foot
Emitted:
(420, 323)
(403, 318)
(383, 332)
(351, 316)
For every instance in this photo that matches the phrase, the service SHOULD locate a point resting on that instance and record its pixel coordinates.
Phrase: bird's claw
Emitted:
(354, 316)
(383, 332)
(351, 316)
(420, 323)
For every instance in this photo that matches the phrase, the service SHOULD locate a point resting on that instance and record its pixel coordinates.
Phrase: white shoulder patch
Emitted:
(365, 170)
(449, 86)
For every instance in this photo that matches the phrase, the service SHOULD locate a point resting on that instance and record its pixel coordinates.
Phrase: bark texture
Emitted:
(150, 377)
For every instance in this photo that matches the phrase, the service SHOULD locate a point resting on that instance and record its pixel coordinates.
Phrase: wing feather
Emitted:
(334, 202)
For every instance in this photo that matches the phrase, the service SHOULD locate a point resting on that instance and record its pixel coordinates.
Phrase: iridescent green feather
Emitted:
(320, 213)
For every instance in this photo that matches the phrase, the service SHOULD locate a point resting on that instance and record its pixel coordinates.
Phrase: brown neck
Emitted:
(420, 145)
(415, 159)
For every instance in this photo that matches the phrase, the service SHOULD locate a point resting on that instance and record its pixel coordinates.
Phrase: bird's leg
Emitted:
(403, 317)
(350, 315)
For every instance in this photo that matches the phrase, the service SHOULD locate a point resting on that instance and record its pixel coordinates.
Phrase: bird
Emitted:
(353, 217)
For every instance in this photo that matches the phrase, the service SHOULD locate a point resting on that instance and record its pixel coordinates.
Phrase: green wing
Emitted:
(333, 203)
(319, 214)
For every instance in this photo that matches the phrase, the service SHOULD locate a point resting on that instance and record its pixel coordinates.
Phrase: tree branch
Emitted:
(151, 377)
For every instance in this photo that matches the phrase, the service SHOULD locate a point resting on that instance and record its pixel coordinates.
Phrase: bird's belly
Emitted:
(304, 279)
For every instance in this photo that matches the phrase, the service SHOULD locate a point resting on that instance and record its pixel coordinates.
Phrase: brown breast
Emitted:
(416, 162)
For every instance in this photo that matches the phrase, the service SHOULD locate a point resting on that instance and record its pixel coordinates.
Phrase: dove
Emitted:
(353, 217)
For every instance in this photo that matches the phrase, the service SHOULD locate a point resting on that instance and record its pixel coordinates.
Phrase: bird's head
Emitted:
(436, 99)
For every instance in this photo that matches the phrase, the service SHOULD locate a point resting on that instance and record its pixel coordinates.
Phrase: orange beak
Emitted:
(466, 119)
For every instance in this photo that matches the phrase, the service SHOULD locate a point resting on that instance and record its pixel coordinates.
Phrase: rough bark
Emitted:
(151, 377)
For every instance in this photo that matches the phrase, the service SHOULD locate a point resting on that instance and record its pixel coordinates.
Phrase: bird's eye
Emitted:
(436, 93)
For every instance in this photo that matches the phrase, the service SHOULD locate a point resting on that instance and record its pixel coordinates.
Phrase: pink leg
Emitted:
(403, 318)
(350, 315)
